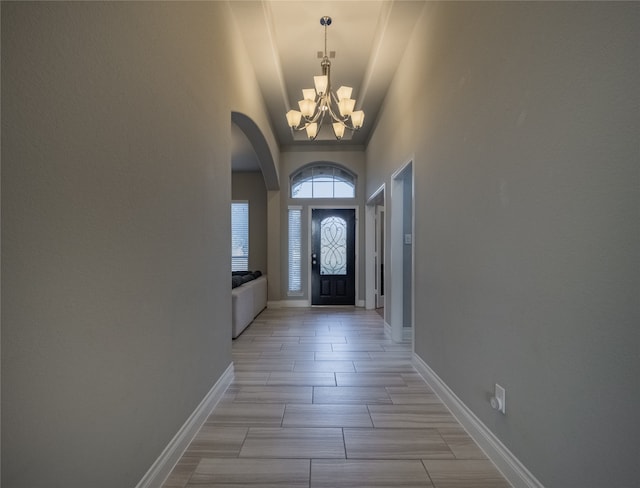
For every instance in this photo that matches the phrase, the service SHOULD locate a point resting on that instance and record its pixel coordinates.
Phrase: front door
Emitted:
(333, 256)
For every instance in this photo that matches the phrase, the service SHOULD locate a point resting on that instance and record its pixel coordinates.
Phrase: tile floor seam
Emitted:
(428, 474)
(370, 417)
(244, 439)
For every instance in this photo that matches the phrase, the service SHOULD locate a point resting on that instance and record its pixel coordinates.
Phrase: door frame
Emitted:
(380, 231)
(396, 240)
(310, 209)
(370, 237)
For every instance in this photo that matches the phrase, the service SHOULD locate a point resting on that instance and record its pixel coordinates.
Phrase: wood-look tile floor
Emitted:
(323, 398)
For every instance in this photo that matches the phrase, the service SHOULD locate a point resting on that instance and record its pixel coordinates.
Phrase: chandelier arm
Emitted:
(335, 98)
(337, 118)
(342, 120)
(313, 118)
(307, 121)
(321, 115)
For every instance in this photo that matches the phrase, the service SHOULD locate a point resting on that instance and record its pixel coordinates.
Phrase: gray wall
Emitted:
(115, 207)
(523, 119)
(250, 187)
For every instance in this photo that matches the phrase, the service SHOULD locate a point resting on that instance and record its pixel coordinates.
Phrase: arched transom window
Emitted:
(323, 181)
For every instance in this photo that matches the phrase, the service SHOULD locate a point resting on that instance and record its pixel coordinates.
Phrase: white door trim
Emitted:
(370, 253)
(396, 266)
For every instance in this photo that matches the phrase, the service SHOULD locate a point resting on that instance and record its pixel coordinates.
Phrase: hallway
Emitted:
(323, 398)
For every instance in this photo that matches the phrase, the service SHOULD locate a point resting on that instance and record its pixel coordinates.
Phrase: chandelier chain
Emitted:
(325, 37)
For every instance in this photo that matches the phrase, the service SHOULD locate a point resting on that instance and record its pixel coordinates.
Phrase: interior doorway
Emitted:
(401, 234)
(375, 249)
(379, 257)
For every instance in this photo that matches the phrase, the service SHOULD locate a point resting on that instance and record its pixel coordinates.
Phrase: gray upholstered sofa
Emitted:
(249, 298)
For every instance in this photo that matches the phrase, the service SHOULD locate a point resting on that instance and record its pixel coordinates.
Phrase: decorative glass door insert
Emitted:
(333, 246)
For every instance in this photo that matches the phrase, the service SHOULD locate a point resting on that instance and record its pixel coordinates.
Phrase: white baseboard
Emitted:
(511, 468)
(288, 304)
(299, 304)
(407, 334)
(161, 468)
(387, 328)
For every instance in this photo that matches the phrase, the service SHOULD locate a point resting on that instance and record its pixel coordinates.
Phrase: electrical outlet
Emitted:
(498, 399)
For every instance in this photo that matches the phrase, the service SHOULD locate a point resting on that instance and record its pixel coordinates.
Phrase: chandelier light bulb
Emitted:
(344, 92)
(338, 130)
(312, 130)
(293, 118)
(307, 107)
(357, 119)
(321, 83)
(346, 106)
(309, 93)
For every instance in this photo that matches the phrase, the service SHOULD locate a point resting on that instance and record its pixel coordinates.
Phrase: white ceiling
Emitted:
(284, 37)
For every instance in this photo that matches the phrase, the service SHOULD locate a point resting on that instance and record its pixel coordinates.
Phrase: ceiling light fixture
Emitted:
(319, 102)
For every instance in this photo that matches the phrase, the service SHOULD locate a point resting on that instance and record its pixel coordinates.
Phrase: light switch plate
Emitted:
(500, 395)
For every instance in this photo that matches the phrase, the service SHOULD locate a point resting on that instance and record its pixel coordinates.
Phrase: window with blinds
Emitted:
(240, 236)
(295, 250)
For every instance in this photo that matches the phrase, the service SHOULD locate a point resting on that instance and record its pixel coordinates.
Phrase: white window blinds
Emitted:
(239, 236)
(295, 250)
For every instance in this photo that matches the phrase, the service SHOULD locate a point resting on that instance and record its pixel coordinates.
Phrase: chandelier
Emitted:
(321, 103)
